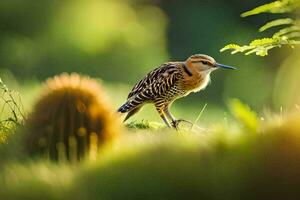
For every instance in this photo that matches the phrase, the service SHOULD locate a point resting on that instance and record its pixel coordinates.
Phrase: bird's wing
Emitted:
(156, 83)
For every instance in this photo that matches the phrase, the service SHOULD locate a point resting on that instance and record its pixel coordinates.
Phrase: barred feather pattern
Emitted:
(160, 86)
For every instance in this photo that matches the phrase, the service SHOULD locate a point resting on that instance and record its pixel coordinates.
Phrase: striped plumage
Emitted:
(168, 82)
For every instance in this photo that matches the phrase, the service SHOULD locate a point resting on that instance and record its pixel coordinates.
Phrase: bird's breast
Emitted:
(195, 83)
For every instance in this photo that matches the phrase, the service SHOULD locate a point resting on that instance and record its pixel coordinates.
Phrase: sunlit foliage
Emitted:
(287, 35)
(11, 113)
(244, 114)
(172, 166)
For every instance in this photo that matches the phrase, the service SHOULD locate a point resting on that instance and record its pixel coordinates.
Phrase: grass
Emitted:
(169, 165)
(240, 158)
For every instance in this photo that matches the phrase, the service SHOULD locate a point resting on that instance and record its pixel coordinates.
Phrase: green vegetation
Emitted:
(228, 163)
(238, 147)
(289, 35)
(246, 158)
(11, 113)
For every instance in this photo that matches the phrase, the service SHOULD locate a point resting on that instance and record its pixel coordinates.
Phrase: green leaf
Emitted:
(230, 46)
(287, 30)
(280, 6)
(277, 22)
(262, 52)
(263, 41)
(286, 36)
(294, 42)
(292, 35)
(251, 52)
(244, 114)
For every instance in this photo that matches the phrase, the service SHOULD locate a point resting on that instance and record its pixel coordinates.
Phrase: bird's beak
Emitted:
(224, 66)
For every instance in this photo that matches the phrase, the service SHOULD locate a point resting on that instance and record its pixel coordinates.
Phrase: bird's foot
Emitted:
(175, 123)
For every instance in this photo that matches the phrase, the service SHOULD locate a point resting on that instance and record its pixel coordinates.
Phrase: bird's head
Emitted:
(204, 64)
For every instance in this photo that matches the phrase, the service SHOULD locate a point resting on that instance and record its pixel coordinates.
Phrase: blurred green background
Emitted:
(119, 41)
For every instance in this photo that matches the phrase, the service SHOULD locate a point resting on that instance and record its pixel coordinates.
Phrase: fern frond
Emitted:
(259, 46)
(292, 35)
(277, 22)
(242, 49)
(287, 36)
(280, 6)
(294, 42)
(263, 41)
(287, 30)
(230, 46)
(236, 48)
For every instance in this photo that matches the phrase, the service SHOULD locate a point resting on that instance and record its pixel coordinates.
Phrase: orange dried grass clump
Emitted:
(71, 119)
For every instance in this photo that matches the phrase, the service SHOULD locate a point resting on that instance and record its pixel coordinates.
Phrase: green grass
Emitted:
(237, 157)
(166, 164)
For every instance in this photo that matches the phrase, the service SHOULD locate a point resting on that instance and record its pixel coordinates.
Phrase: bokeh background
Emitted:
(119, 41)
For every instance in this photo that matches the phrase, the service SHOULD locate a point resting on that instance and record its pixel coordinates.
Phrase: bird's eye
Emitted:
(204, 62)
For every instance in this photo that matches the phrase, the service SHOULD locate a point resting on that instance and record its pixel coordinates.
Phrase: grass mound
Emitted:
(223, 164)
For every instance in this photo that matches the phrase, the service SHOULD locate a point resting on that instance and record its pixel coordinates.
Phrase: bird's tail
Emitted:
(125, 107)
(130, 108)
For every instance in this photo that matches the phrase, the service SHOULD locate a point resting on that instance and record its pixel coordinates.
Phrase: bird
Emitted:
(169, 82)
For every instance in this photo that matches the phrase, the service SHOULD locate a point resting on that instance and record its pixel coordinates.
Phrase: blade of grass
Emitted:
(199, 115)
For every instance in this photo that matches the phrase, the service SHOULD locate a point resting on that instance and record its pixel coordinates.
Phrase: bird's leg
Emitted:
(175, 122)
(170, 116)
(163, 116)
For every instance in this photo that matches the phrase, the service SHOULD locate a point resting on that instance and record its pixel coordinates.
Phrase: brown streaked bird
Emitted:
(170, 81)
